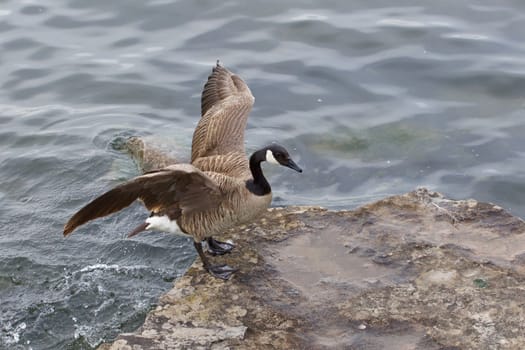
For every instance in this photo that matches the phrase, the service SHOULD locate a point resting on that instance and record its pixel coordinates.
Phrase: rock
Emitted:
(413, 271)
(400, 273)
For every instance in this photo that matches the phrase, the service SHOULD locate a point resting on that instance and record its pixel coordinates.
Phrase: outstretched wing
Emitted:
(180, 186)
(225, 105)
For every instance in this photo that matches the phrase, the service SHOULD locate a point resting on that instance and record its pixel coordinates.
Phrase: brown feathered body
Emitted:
(211, 194)
(235, 206)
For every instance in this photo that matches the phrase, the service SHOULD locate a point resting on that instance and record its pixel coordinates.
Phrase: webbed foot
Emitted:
(221, 271)
(218, 248)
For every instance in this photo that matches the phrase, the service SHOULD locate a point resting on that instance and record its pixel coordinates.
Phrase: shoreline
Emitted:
(410, 271)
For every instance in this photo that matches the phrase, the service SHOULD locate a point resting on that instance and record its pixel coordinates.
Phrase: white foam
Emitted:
(99, 267)
(12, 336)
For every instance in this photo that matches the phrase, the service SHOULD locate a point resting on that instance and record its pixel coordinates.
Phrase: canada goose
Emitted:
(220, 189)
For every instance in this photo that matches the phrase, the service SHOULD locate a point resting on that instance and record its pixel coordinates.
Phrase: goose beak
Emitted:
(291, 164)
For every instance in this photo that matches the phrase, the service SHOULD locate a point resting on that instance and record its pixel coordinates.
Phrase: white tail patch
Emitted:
(270, 158)
(162, 223)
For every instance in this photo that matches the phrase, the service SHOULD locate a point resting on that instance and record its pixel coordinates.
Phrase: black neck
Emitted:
(259, 185)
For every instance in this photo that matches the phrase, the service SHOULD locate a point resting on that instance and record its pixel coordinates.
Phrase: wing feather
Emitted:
(179, 186)
(225, 105)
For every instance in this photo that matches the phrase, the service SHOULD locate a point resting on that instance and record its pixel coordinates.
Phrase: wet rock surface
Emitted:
(414, 271)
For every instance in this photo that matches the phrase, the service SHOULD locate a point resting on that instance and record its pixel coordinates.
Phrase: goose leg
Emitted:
(217, 247)
(219, 271)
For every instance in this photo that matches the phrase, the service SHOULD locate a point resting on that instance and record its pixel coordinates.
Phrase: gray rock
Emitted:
(414, 271)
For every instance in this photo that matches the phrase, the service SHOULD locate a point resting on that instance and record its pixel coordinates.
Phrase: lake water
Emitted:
(371, 100)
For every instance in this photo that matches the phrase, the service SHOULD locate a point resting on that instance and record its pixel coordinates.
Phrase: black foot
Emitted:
(222, 271)
(218, 248)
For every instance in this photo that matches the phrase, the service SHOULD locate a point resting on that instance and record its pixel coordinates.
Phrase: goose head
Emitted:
(277, 154)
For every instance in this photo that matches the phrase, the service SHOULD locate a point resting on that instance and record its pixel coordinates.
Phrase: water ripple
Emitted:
(372, 100)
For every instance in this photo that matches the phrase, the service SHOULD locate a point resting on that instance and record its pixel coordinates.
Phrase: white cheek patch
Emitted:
(270, 158)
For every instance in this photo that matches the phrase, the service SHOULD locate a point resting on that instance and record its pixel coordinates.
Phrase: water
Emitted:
(372, 100)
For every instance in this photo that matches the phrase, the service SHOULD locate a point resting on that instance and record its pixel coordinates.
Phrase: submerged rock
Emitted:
(414, 271)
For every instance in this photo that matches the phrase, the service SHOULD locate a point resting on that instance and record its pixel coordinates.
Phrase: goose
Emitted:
(219, 189)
